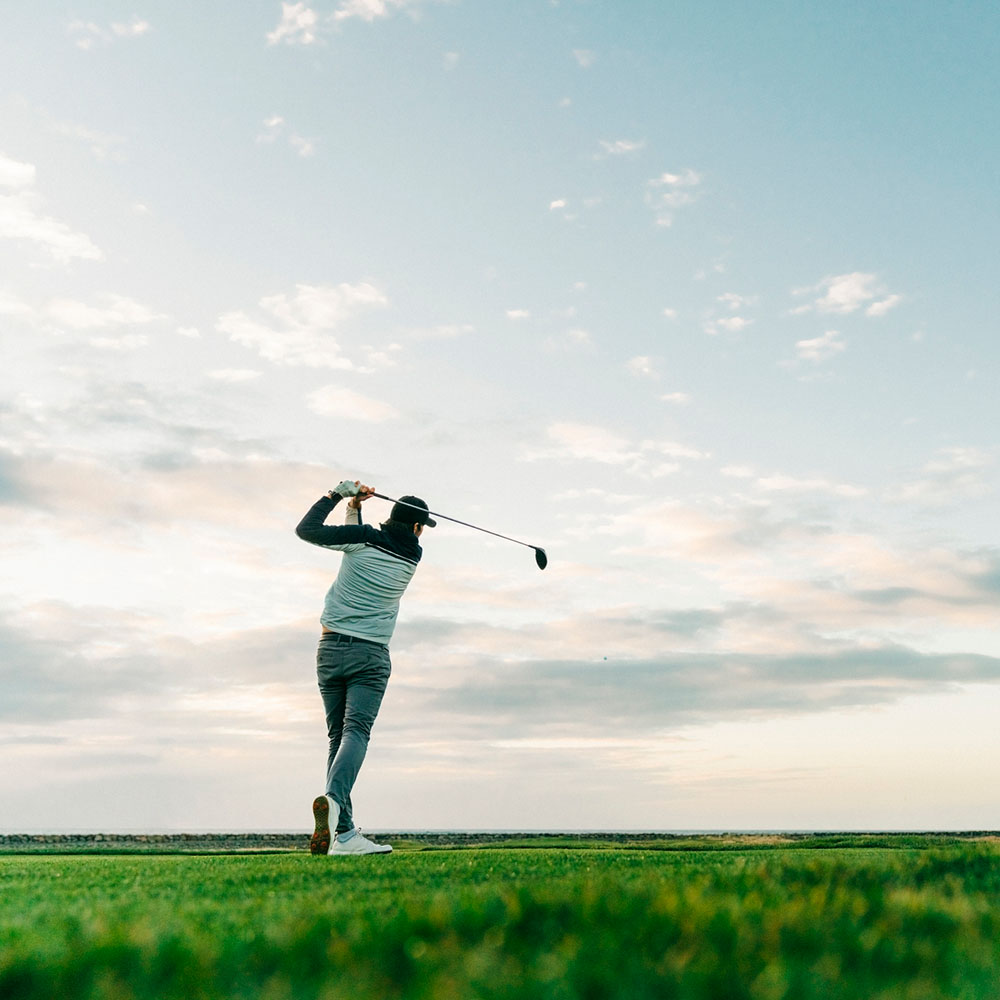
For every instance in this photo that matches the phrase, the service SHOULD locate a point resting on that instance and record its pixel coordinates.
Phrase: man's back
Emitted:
(377, 565)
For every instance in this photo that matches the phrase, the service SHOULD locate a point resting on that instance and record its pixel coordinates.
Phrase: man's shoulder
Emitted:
(394, 543)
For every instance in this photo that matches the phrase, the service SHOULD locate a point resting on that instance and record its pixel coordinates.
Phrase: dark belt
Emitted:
(340, 637)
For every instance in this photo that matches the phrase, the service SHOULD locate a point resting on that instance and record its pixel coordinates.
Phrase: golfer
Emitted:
(352, 663)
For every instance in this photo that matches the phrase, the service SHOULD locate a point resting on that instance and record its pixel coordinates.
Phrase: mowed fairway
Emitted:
(893, 922)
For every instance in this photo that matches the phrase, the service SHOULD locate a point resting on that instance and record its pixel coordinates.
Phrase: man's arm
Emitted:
(353, 513)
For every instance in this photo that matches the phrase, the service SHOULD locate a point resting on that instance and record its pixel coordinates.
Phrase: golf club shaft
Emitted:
(455, 520)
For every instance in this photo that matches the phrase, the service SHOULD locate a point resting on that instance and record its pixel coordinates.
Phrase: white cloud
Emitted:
(677, 398)
(302, 145)
(847, 293)
(557, 204)
(955, 473)
(14, 174)
(450, 60)
(192, 332)
(114, 310)
(518, 314)
(669, 192)
(371, 10)
(297, 25)
(734, 301)
(131, 30)
(301, 25)
(642, 367)
(103, 146)
(587, 442)
(272, 127)
(22, 217)
(820, 348)
(793, 484)
(622, 147)
(733, 324)
(234, 375)
(11, 306)
(87, 34)
(127, 342)
(301, 329)
(585, 58)
(882, 307)
(569, 441)
(335, 401)
(443, 331)
(571, 340)
(670, 313)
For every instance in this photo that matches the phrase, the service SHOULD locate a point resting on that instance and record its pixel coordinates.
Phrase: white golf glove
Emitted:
(346, 489)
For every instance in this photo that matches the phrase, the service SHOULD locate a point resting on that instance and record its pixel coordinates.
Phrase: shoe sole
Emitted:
(360, 854)
(320, 841)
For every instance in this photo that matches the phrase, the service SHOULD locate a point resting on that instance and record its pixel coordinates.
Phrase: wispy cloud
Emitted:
(112, 310)
(274, 128)
(22, 217)
(16, 175)
(567, 441)
(669, 192)
(442, 331)
(799, 484)
(575, 339)
(373, 10)
(734, 300)
(847, 293)
(642, 366)
(881, 307)
(234, 375)
(954, 474)
(300, 24)
(822, 348)
(302, 328)
(346, 404)
(731, 324)
(88, 34)
(105, 147)
(622, 147)
(585, 58)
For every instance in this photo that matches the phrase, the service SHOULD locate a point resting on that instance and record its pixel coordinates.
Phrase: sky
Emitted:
(701, 297)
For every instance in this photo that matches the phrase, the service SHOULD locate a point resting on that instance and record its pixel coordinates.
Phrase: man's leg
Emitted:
(366, 671)
(333, 689)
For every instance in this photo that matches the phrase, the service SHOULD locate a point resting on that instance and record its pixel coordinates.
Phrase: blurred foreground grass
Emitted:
(843, 922)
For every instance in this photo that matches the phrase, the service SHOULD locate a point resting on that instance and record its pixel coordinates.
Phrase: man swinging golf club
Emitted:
(352, 663)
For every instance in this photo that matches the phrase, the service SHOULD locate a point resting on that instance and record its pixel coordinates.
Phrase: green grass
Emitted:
(882, 921)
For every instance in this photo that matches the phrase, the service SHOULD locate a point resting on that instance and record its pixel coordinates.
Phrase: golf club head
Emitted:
(540, 557)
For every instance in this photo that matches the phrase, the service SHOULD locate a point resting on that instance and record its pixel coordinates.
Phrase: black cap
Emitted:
(412, 510)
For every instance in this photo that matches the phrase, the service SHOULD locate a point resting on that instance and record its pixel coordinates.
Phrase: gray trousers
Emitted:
(352, 678)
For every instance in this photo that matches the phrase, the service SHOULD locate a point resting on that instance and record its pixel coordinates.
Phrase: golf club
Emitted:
(541, 558)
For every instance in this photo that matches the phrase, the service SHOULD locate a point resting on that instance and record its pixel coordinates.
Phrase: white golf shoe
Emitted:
(357, 844)
(326, 812)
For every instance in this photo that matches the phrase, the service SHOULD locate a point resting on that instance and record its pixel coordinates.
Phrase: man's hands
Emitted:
(364, 493)
(355, 490)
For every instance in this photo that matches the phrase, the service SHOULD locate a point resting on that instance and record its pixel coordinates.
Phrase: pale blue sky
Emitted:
(701, 297)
